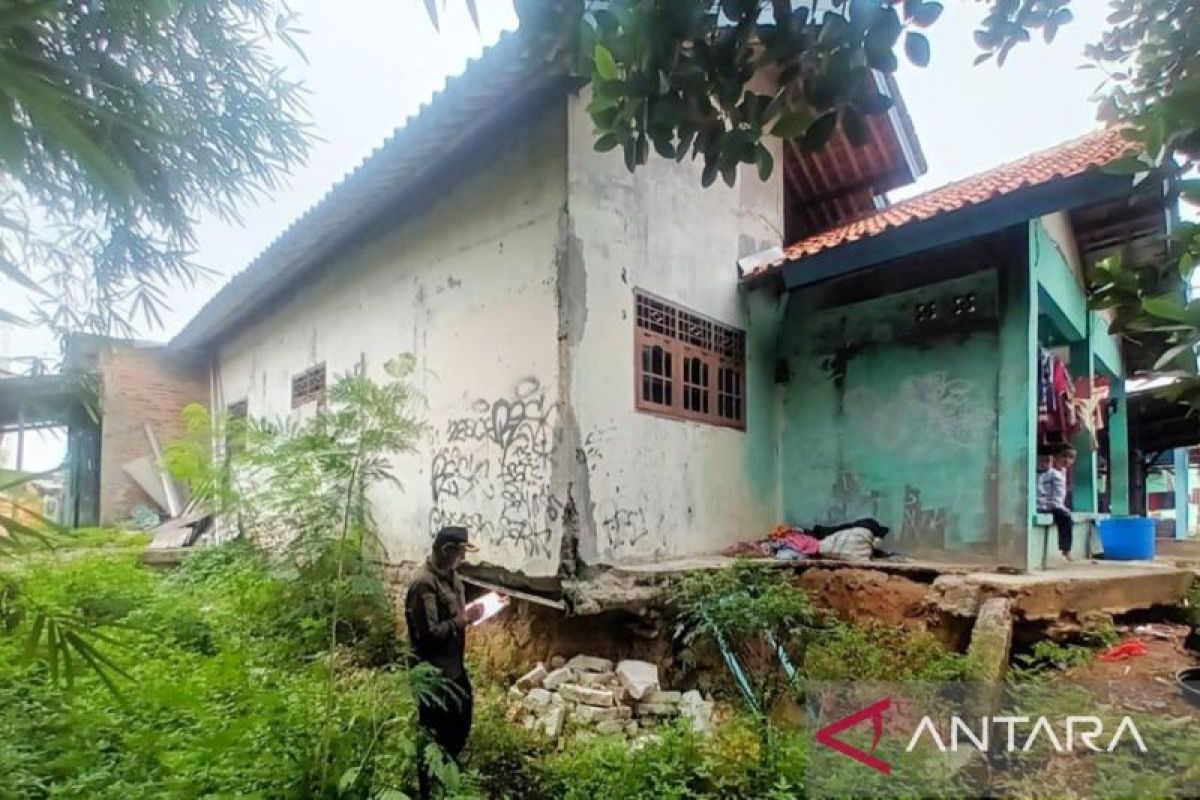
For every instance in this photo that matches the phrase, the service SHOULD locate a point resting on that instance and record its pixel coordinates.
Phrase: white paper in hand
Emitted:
(492, 604)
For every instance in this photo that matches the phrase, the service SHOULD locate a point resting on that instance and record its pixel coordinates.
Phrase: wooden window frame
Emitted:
(309, 386)
(689, 337)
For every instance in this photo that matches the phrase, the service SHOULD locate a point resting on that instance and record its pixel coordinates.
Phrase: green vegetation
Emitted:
(227, 688)
(1048, 657)
(122, 122)
(225, 695)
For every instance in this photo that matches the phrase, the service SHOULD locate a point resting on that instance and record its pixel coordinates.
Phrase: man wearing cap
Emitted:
(437, 616)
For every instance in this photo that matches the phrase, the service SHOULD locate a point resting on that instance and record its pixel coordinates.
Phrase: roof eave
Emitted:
(359, 201)
(963, 223)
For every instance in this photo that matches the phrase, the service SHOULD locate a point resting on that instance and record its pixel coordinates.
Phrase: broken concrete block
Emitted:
(991, 639)
(530, 722)
(595, 714)
(533, 678)
(631, 727)
(597, 680)
(515, 694)
(552, 721)
(590, 664)
(538, 698)
(693, 707)
(557, 678)
(661, 696)
(954, 594)
(586, 695)
(557, 662)
(638, 677)
(610, 727)
(657, 709)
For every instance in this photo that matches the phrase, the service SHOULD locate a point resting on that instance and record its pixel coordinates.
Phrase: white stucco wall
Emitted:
(659, 488)
(1058, 227)
(469, 287)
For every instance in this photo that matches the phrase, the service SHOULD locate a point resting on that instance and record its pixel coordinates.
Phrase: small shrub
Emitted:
(1047, 656)
(881, 653)
(507, 760)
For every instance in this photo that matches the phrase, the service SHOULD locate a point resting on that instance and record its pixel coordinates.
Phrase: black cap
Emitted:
(452, 534)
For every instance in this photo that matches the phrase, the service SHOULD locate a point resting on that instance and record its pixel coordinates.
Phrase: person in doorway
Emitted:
(437, 615)
(1052, 496)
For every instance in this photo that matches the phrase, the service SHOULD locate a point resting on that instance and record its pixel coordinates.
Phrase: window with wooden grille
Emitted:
(308, 386)
(236, 416)
(688, 366)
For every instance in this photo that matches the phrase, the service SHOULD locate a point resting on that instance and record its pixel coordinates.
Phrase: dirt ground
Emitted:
(1145, 683)
(867, 595)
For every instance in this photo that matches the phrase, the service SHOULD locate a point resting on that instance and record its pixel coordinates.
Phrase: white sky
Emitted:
(364, 80)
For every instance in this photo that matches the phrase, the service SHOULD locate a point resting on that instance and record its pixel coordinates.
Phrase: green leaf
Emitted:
(606, 66)
(729, 174)
(873, 103)
(10, 318)
(819, 132)
(916, 47)
(709, 176)
(855, 127)
(347, 780)
(925, 14)
(1173, 353)
(765, 162)
(432, 12)
(792, 125)
(606, 142)
(10, 270)
(1187, 265)
(1130, 165)
(1165, 307)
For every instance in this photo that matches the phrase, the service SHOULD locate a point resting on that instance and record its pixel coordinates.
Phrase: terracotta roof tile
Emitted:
(1063, 161)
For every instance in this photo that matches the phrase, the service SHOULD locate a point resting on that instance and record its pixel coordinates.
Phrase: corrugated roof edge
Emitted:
(496, 80)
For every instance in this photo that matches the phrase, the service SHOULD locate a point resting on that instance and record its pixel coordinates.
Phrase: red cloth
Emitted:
(801, 542)
(1130, 648)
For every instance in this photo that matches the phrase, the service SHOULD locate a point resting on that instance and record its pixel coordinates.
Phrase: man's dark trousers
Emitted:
(446, 720)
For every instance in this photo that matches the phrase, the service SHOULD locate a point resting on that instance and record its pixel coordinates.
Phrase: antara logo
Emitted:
(874, 712)
(1085, 730)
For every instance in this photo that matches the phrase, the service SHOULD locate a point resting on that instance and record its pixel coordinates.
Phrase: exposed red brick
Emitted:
(140, 386)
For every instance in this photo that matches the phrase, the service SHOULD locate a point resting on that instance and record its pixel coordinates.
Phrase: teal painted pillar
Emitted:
(1084, 483)
(1016, 460)
(1118, 450)
(1182, 492)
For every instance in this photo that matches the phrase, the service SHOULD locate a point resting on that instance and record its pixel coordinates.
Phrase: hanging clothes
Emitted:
(1058, 416)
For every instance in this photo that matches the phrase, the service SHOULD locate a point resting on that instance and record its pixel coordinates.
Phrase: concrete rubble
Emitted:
(991, 639)
(594, 696)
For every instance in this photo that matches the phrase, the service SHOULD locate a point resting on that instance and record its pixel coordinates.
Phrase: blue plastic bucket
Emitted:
(1127, 538)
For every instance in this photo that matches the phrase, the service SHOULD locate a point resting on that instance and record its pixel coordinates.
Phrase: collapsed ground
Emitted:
(227, 692)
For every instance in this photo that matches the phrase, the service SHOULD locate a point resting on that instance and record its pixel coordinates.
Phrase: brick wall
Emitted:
(140, 386)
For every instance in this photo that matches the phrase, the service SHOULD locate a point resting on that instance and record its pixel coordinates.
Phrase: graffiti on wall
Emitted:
(849, 499)
(926, 412)
(491, 471)
(928, 527)
(624, 528)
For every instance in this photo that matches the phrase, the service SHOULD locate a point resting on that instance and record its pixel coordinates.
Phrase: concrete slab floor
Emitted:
(1074, 588)
(1088, 586)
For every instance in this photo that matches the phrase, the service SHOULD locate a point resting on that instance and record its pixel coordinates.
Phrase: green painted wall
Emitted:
(889, 417)
(1061, 297)
(764, 315)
